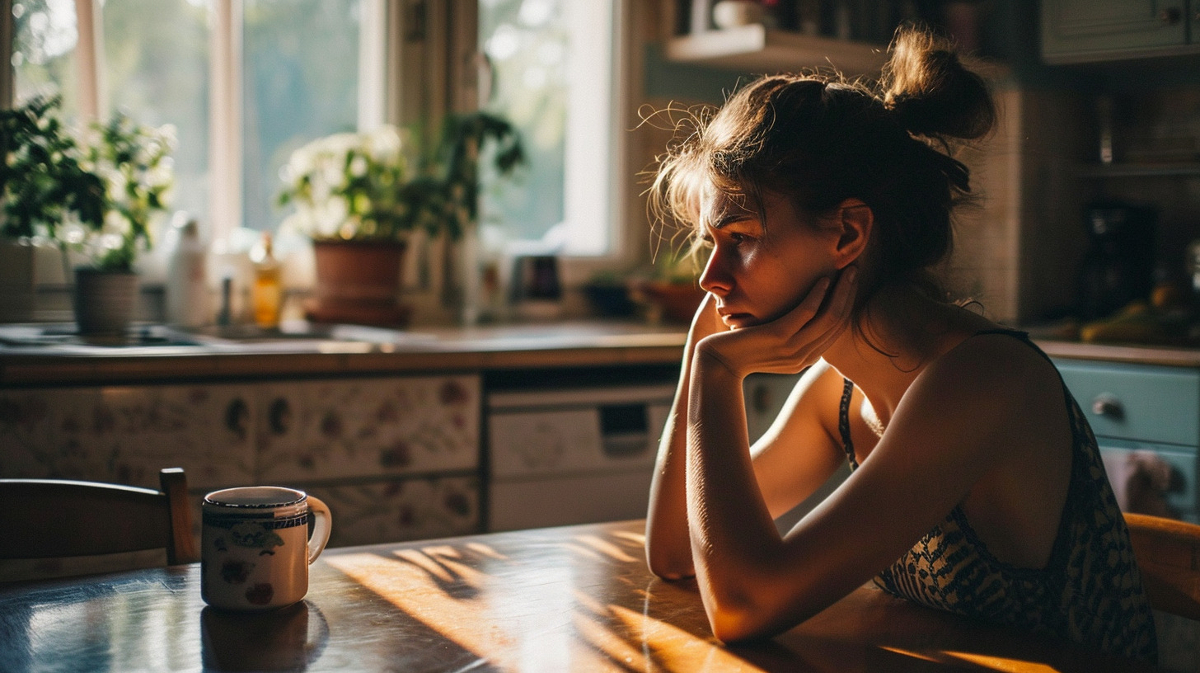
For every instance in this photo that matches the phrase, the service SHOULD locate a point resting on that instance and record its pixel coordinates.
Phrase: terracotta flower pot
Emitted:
(105, 302)
(677, 301)
(358, 282)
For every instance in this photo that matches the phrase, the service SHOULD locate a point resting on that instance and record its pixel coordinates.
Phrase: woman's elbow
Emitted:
(669, 567)
(738, 624)
(746, 613)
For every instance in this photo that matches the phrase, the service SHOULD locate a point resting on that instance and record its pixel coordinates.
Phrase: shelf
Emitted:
(1138, 170)
(754, 48)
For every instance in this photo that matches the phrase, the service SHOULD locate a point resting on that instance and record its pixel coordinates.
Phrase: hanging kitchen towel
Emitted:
(1140, 481)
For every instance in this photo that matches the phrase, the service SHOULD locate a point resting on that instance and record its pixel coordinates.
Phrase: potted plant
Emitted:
(97, 195)
(672, 291)
(359, 197)
(42, 185)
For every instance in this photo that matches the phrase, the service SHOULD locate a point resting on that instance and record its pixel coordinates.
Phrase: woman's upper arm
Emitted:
(798, 453)
(944, 436)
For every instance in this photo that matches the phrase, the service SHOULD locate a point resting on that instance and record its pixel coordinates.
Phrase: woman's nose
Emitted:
(715, 278)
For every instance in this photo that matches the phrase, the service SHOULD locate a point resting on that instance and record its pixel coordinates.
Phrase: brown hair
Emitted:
(820, 140)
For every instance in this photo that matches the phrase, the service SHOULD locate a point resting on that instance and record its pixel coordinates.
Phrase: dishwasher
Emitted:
(572, 455)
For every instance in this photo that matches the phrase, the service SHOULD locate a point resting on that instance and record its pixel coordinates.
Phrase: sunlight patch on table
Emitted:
(987, 662)
(1002, 663)
(677, 649)
(605, 547)
(412, 589)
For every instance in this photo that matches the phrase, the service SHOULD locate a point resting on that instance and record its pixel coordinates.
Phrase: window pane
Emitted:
(300, 70)
(44, 39)
(156, 69)
(526, 43)
(553, 78)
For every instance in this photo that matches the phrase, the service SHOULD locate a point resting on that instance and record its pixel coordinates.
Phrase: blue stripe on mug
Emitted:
(229, 521)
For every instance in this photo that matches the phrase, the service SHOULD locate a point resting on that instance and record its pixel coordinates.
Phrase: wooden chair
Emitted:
(1168, 554)
(49, 518)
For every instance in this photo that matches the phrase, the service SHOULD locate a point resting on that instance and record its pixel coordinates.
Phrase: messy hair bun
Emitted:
(931, 93)
(820, 140)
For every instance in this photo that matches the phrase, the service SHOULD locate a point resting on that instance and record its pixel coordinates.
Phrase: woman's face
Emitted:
(757, 273)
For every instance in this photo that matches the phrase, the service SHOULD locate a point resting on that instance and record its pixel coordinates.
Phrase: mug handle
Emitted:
(321, 529)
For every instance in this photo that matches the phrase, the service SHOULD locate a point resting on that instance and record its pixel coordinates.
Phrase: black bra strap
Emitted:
(844, 422)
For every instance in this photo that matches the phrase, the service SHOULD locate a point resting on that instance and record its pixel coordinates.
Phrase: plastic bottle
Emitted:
(267, 292)
(187, 294)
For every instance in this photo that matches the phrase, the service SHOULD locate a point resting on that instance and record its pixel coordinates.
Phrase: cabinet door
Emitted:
(1081, 30)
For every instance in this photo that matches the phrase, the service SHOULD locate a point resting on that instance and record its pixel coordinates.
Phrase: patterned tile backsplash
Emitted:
(393, 457)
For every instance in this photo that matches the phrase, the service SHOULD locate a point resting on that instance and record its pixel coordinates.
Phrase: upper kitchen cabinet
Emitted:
(1081, 31)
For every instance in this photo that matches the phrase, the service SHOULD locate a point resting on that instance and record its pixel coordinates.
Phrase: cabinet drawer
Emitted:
(1137, 402)
(1182, 493)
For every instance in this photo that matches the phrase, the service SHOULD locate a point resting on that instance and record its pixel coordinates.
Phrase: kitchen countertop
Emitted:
(58, 358)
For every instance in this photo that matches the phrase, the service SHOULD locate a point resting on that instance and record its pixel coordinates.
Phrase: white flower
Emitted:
(358, 166)
(161, 175)
(384, 144)
(111, 241)
(116, 224)
(72, 230)
(169, 135)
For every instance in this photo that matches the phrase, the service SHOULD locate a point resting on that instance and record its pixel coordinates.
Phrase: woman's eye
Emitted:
(737, 238)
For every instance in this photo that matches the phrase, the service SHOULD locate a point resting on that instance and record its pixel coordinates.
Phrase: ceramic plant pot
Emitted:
(358, 282)
(105, 302)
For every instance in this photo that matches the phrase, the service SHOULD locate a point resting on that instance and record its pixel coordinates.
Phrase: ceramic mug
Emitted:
(255, 548)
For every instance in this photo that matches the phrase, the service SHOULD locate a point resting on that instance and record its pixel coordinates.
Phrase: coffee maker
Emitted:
(1119, 264)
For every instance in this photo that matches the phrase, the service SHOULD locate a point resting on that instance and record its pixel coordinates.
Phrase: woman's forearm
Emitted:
(731, 531)
(668, 548)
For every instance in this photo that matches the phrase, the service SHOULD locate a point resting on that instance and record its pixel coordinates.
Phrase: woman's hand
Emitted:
(792, 341)
(706, 322)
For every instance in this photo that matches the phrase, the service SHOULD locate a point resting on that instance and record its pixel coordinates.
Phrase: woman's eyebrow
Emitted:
(730, 218)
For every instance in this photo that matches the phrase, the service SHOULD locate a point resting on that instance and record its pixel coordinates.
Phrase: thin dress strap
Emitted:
(848, 390)
(844, 422)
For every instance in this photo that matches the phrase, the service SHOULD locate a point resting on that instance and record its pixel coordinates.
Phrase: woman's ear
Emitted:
(855, 220)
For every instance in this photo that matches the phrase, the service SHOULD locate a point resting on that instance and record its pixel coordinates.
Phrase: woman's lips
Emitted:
(737, 319)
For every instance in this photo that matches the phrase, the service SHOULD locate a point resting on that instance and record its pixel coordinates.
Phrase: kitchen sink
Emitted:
(291, 336)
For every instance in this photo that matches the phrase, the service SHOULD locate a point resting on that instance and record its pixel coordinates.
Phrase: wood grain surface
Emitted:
(576, 598)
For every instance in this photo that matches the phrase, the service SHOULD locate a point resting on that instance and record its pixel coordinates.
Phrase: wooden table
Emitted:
(561, 599)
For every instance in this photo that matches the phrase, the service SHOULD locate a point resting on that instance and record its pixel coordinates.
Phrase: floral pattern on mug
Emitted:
(254, 536)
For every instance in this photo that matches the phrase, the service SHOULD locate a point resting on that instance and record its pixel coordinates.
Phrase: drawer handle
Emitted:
(1108, 406)
(1170, 16)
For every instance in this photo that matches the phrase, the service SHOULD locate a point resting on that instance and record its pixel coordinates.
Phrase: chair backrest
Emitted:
(1168, 555)
(50, 518)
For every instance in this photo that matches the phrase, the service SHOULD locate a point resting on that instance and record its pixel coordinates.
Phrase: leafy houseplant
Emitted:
(673, 289)
(97, 193)
(360, 195)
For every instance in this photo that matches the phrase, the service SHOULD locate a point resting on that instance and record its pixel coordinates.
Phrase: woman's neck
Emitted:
(902, 332)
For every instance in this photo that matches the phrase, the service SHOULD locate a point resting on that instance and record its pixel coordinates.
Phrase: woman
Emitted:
(977, 485)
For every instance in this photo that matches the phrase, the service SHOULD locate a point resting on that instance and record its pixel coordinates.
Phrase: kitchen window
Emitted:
(247, 81)
(551, 65)
(243, 81)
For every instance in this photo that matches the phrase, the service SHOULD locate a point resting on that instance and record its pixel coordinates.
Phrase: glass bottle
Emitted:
(267, 291)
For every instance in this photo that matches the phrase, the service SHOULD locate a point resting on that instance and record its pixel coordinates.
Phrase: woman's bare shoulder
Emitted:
(993, 366)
